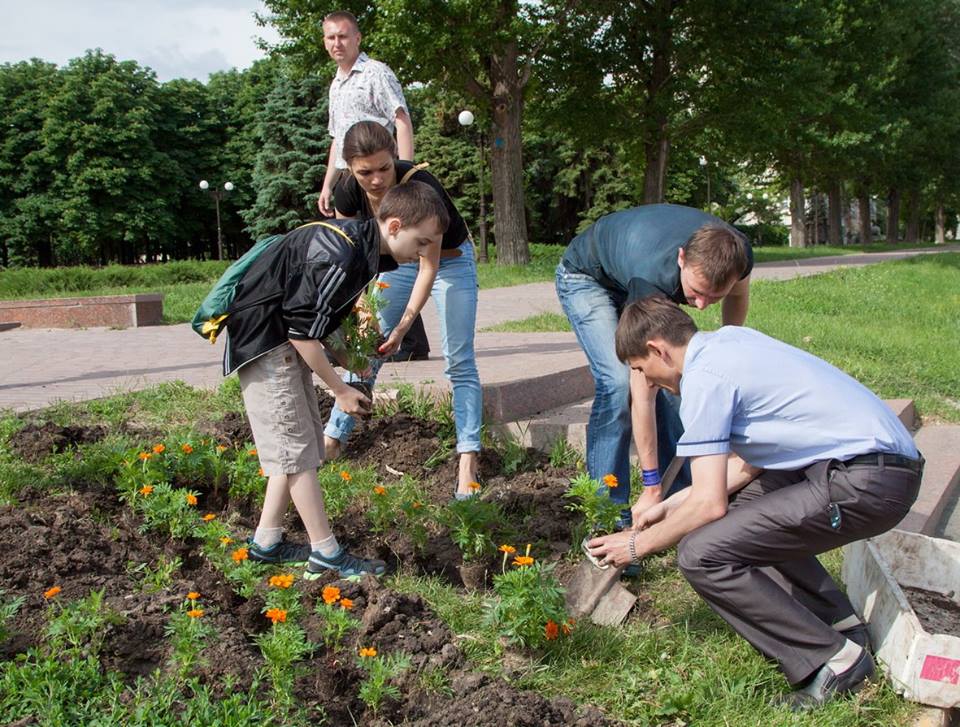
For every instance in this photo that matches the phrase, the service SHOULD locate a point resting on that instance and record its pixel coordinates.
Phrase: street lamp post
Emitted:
(706, 169)
(217, 195)
(466, 119)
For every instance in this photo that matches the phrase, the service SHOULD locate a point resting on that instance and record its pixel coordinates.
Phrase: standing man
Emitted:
(689, 256)
(813, 461)
(364, 90)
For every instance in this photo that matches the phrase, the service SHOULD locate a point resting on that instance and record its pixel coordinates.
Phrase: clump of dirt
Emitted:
(233, 429)
(40, 439)
(938, 614)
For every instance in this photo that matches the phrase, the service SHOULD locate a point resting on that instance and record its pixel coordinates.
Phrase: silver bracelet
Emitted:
(632, 547)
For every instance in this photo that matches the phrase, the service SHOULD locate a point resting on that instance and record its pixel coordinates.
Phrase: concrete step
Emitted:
(931, 514)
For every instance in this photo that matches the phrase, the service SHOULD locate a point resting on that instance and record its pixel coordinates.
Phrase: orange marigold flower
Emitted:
(610, 480)
(344, 475)
(508, 549)
(186, 448)
(193, 595)
(221, 448)
(144, 456)
(191, 499)
(277, 615)
(551, 630)
(239, 554)
(51, 592)
(523, 560)
(474, 486)
(366, 651)
(159, 448)
(566, 628)
(380, 490)
(282, 581)
(260, 472)
(382, 285)
(416, 506)
(331, 594)
(195, 612)
(225, 540)
(208, 517)
(252, 452)
(346, 603)
(146, 490)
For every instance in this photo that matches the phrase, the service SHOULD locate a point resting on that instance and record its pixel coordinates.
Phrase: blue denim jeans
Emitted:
(594, 311)
(455, 294)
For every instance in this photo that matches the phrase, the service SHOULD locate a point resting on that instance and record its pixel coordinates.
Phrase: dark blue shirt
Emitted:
(634, 251)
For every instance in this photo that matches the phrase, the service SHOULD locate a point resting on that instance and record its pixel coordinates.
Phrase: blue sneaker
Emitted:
(283, 552)
(350, 567)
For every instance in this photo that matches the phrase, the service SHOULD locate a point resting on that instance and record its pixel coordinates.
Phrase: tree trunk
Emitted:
(815, 229)
(866, 224)
(893, 215)
(941, 218)
(798, 236)
(657, 153)
(657, 144)
(506, 161)
(913, 218)
(835, 216)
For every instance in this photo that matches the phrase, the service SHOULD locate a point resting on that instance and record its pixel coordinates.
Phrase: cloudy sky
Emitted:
(176, 38)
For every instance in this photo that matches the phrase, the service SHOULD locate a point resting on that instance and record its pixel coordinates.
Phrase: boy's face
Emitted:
(658, 369)
(407, 244)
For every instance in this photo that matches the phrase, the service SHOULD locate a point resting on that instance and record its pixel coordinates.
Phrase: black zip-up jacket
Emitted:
(302, 287)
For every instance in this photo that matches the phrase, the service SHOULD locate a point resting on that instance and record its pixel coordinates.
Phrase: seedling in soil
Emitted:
(337, 621)
(282, 646)
(158, 578)
(512, 452)
(240, 570)
(472, 523)
(359, 338)
(380, 670)
(8, 609)
(245, 476)
(435, 679)
(282, 596)
(341, 484)
(78, 628)
(189, 633)
(529, 608)
(564, 454)
(600, 513)
(168, 509)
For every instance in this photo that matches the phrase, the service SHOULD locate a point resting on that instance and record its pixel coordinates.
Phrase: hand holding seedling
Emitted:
(353, 402)
(613, 549)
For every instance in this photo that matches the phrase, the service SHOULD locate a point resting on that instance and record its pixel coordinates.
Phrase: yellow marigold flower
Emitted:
(331, 594)
(159, 449)
(567, 628)
(366, 651)
(346, 603)
(224, 540)
(382, 285)
(193, 595)
(551, 630)
(416, 506)
(508, 549)
(610, 480)
(221, 448)
(344, 475)
(260, 472)
(195, 612)
(380, 490)
(523, 560)
(474, 486)
(146, 490)
(282, 581)
(144, 456)
(252, 452)
(51, 592)
(208, 517)
(277, 615)
(191, 499)
(239, 554)
(186, 448)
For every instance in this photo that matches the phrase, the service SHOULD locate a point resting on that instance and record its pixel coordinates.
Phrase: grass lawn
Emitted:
(893, 326)
(674, 663)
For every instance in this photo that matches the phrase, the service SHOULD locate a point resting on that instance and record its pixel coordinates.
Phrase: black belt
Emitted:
(879, 459)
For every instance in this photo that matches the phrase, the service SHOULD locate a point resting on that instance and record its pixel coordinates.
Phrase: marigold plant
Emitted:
(284, 580)
(193, 596)
(368, 651)
(208, 517)
(146, 490)
(159, 448)
(346, 603)
(551, 631)
(610, 480)
(379, 490)
(240, 554)
(226, 540)
(330, 594)
(344, 475)
(51, 592)
(186, 448)
(195, 613)
(276, 615)
(191, 499)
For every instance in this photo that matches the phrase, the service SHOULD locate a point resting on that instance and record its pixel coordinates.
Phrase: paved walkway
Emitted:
(522, 373)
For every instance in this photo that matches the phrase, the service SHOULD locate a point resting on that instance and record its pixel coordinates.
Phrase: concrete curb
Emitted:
(941, 477)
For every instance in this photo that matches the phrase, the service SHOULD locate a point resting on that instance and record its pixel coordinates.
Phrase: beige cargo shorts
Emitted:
(284, 414)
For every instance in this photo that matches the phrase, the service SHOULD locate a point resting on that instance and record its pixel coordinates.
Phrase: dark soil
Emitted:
(937, 613)
(40, 439)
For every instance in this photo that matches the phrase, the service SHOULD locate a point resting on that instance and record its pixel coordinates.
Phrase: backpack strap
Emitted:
(413, 170)
(336, 229)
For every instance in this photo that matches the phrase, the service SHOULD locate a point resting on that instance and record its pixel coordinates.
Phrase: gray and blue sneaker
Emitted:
(283, 552)
(350, 567)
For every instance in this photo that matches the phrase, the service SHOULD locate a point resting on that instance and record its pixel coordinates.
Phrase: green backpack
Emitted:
(211, 316)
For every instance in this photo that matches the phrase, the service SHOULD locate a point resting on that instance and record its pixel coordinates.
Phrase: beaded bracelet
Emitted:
(632, 547)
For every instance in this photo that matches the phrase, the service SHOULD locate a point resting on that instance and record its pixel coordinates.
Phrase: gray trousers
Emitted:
(757, 566)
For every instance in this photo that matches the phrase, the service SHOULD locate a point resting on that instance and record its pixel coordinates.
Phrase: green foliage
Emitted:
(337, 623)
(473, 524)
(513, 452)
(358, 338)
(8, 609)
(78, 628)
(528, 597)
(564, 454)
(380, 670)
(282, 646)
(189, 635)
(156, 579)
(600, 513)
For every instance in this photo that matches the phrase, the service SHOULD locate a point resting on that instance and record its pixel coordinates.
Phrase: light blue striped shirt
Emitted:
(776, 406)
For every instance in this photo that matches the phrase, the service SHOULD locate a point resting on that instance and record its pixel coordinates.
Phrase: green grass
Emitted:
(893, 326)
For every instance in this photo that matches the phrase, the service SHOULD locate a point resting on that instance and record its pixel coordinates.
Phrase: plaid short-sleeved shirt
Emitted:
(369, 92)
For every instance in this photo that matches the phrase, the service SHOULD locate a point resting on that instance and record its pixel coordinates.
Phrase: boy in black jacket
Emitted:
(293, 297)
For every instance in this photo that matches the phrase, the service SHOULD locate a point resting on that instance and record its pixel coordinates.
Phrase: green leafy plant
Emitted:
(529, 608)
(78, 628)
(359, 336)
(473, 523)
(600, 513)
(380, 670)
(8, 609)
(189, 634)
(564, 454)
(158, 578)
(512, 452)
(168, 509)
(245, 476)
(337, 621)
(282, 646)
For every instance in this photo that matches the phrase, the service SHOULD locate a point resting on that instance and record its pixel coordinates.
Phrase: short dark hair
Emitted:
(652, 317)
(412, 203)
(718, 252)
(365, 138)
(339, 15)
